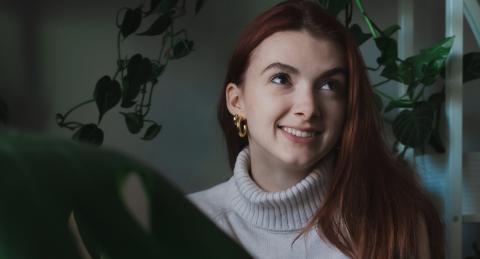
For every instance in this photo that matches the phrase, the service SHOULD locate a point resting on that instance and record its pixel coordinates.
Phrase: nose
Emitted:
(306, 104)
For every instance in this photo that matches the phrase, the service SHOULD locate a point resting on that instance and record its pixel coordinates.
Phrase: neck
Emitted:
(273, 176)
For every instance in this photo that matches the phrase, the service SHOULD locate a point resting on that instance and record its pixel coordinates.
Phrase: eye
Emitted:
(280, 78)
(329, 85)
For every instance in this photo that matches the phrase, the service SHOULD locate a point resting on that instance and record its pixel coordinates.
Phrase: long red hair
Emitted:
(374, 203)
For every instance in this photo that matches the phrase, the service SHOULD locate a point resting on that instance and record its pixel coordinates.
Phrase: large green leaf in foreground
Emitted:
(44, 180)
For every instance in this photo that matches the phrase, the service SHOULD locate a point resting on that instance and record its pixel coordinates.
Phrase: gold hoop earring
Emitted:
(242, 129)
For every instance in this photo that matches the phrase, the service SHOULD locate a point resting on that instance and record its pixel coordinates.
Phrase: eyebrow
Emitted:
(293, 70)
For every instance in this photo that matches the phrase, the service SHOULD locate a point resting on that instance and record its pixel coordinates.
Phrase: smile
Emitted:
(299, 133)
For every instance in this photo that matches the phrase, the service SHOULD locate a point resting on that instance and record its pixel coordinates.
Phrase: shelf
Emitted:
(471, 218)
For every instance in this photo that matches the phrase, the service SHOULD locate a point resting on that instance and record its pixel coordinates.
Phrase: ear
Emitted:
(235, 100)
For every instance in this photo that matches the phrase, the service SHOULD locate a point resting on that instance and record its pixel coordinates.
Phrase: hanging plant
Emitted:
(132, 85)
(416, 123)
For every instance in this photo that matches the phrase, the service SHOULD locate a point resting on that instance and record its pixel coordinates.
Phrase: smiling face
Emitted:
(294, 99)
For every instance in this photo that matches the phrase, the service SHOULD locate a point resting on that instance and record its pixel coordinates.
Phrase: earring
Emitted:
(242, 129)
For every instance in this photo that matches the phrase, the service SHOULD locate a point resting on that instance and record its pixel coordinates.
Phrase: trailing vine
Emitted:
(132, 84)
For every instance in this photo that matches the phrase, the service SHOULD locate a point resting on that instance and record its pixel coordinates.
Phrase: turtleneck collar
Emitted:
(286, 210)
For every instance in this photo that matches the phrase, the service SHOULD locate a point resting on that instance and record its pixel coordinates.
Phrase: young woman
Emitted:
(312, 176)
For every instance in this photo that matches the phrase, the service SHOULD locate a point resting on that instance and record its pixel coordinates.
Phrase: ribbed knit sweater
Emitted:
(266, 223)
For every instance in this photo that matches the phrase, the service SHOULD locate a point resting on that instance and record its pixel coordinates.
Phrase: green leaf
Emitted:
(358, 34)
(45, 179)
(159, 25)
(139, 72)
(394, 104)
(428, 64)
(402, 73)
(198, 5)
(3, 112)
(436, 100)
(134, 122)
(333, 7)
(181, 49)
(90, 242)
(471, 66)
(390, 30)
(414, 127)
(152, 132)
(90, 134)
(131, 21)
(107, 95)
(388, 49)
(436, 142)
(161, 6)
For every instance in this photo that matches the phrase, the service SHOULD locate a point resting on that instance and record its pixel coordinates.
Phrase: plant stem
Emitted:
(384, 95)
(149, 99)
(373, 69)
(367, 19)
(76, 107)
(381, 83)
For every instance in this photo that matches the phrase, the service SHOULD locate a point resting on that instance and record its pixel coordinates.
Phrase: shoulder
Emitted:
(214, 201)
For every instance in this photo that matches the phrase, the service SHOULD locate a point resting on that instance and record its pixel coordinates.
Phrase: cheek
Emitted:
(336, 113)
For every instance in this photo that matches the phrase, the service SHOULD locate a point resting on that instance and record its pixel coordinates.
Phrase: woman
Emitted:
(313, 177)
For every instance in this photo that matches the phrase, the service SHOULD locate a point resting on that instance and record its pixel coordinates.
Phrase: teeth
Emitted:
(299, 133)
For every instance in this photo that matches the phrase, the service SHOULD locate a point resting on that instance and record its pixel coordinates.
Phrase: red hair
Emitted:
(374, 203)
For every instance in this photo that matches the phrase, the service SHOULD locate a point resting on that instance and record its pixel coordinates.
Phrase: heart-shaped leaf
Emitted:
(181, 49)
(414, 127)
(134, 122)
(139, 72)
(152, 132)
(107, 95)
(402, 73)
(161, 6)
(431, 60)
(436, 100)
(388, 49)
(359, 36)
(89, 134)
(394, 104)
(390, 30)
(159, 25)
(131, 21)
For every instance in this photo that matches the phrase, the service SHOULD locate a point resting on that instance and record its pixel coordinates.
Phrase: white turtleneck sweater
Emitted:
(266, 223)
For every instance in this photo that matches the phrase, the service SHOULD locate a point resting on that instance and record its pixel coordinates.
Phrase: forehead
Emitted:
(300, 49)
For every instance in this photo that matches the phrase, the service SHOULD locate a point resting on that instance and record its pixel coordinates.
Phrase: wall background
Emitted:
(52, 53)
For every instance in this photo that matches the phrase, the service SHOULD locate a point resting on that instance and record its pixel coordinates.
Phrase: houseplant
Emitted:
(44, 180)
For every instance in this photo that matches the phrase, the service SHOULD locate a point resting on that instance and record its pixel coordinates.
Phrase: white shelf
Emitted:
(471, 218)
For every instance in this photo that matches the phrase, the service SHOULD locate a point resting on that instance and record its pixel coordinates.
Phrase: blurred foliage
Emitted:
(45, 180)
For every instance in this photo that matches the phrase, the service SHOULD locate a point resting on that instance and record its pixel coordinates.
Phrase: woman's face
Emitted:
(293, 97)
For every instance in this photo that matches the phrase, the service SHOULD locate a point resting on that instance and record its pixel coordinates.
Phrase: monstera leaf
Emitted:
(45, 180)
